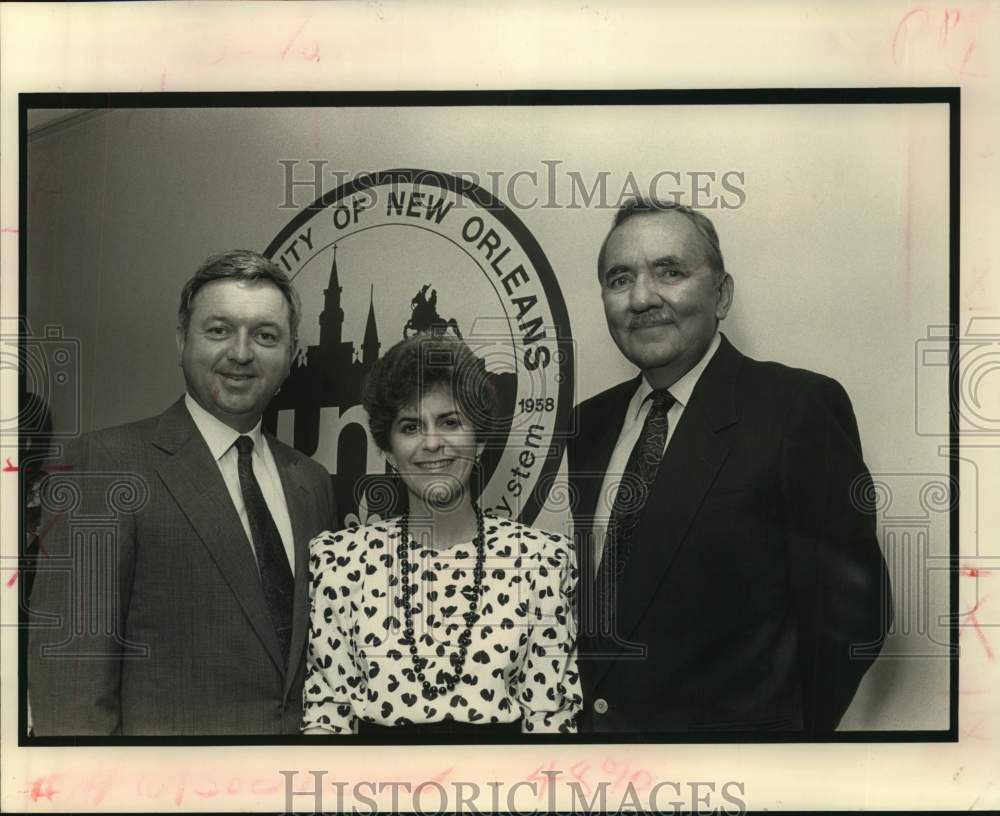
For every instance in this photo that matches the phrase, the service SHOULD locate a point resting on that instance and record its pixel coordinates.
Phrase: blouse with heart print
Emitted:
(520, 663)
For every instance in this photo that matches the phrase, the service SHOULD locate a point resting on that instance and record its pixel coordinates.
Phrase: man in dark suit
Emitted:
(173, 599)
(731, 577)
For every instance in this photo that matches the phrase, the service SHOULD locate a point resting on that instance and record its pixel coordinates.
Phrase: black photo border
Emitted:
(951, 96)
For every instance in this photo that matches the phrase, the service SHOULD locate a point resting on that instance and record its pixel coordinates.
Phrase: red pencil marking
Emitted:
(284, 52)
(578, 773)
(974, 731)
(312, 55)
(260, 787)
(146, 787)
(43, 789)
(978, 285)
(13, 579)
(975, 572)
(442, 776)
(978, 628)
(982, 636)
(948, 23)
(979, 603)
(646, 779)
(963, 70)
(537, 776)
(9, 229)
(43, 533)
(10, 467)
(609, 765)
(181, 787)
(901, 31)
(206, 794)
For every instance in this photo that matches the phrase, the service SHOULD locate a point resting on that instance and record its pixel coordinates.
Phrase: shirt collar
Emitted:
(682, 389)
(217, 434)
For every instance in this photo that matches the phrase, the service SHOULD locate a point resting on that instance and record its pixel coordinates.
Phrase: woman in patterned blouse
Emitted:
(444, 620)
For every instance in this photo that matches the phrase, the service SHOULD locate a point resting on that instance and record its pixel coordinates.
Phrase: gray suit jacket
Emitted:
(148, 616)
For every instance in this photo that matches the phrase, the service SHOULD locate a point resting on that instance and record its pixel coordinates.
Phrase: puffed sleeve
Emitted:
(548, 686)
(331, 667)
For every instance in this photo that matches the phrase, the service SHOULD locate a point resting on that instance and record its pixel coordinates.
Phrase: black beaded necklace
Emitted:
(457, 659)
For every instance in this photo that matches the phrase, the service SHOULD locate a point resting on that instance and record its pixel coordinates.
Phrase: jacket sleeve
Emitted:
(839, 583)
(80, 596)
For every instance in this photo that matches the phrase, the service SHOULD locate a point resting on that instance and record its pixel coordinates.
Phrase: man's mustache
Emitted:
(651, 318)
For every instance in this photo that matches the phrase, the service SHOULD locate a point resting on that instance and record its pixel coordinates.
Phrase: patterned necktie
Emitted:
(275, 573)
(635, 486)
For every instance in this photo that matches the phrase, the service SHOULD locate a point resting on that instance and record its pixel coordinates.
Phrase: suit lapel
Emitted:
(192, 476)
(302, 512)
(596, 444)
(690, 465)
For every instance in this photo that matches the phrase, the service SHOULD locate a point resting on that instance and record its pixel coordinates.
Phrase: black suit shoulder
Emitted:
(771, 380)
(786, 391)
(782, 376)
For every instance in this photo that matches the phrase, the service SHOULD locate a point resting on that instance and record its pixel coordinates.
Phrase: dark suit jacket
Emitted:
(754, 569)
(148, 612)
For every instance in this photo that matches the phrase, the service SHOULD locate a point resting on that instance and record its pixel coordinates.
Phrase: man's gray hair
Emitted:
(702, 223)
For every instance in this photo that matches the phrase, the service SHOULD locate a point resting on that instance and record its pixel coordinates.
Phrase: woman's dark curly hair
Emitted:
(418, 365)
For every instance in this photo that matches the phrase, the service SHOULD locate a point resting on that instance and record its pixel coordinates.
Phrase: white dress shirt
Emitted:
(221, 441)
(635, 418)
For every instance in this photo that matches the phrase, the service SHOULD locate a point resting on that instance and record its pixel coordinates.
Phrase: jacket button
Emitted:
(601, 705)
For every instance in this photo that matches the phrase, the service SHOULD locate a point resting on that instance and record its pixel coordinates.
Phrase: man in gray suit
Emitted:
(174, 600)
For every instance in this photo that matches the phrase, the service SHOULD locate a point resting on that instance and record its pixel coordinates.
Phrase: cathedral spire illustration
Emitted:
(331, 373)
(370, 345)
(331, 319)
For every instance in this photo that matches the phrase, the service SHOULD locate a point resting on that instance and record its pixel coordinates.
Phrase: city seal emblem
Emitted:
(400, 252)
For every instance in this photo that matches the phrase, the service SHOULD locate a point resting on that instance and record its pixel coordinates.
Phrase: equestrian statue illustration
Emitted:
(424, 317)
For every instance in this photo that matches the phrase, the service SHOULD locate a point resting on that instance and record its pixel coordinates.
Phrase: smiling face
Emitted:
(662, 299)
(237, 349)
(433, 445)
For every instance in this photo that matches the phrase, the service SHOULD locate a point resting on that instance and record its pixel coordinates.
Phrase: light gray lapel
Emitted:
(192, 477)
